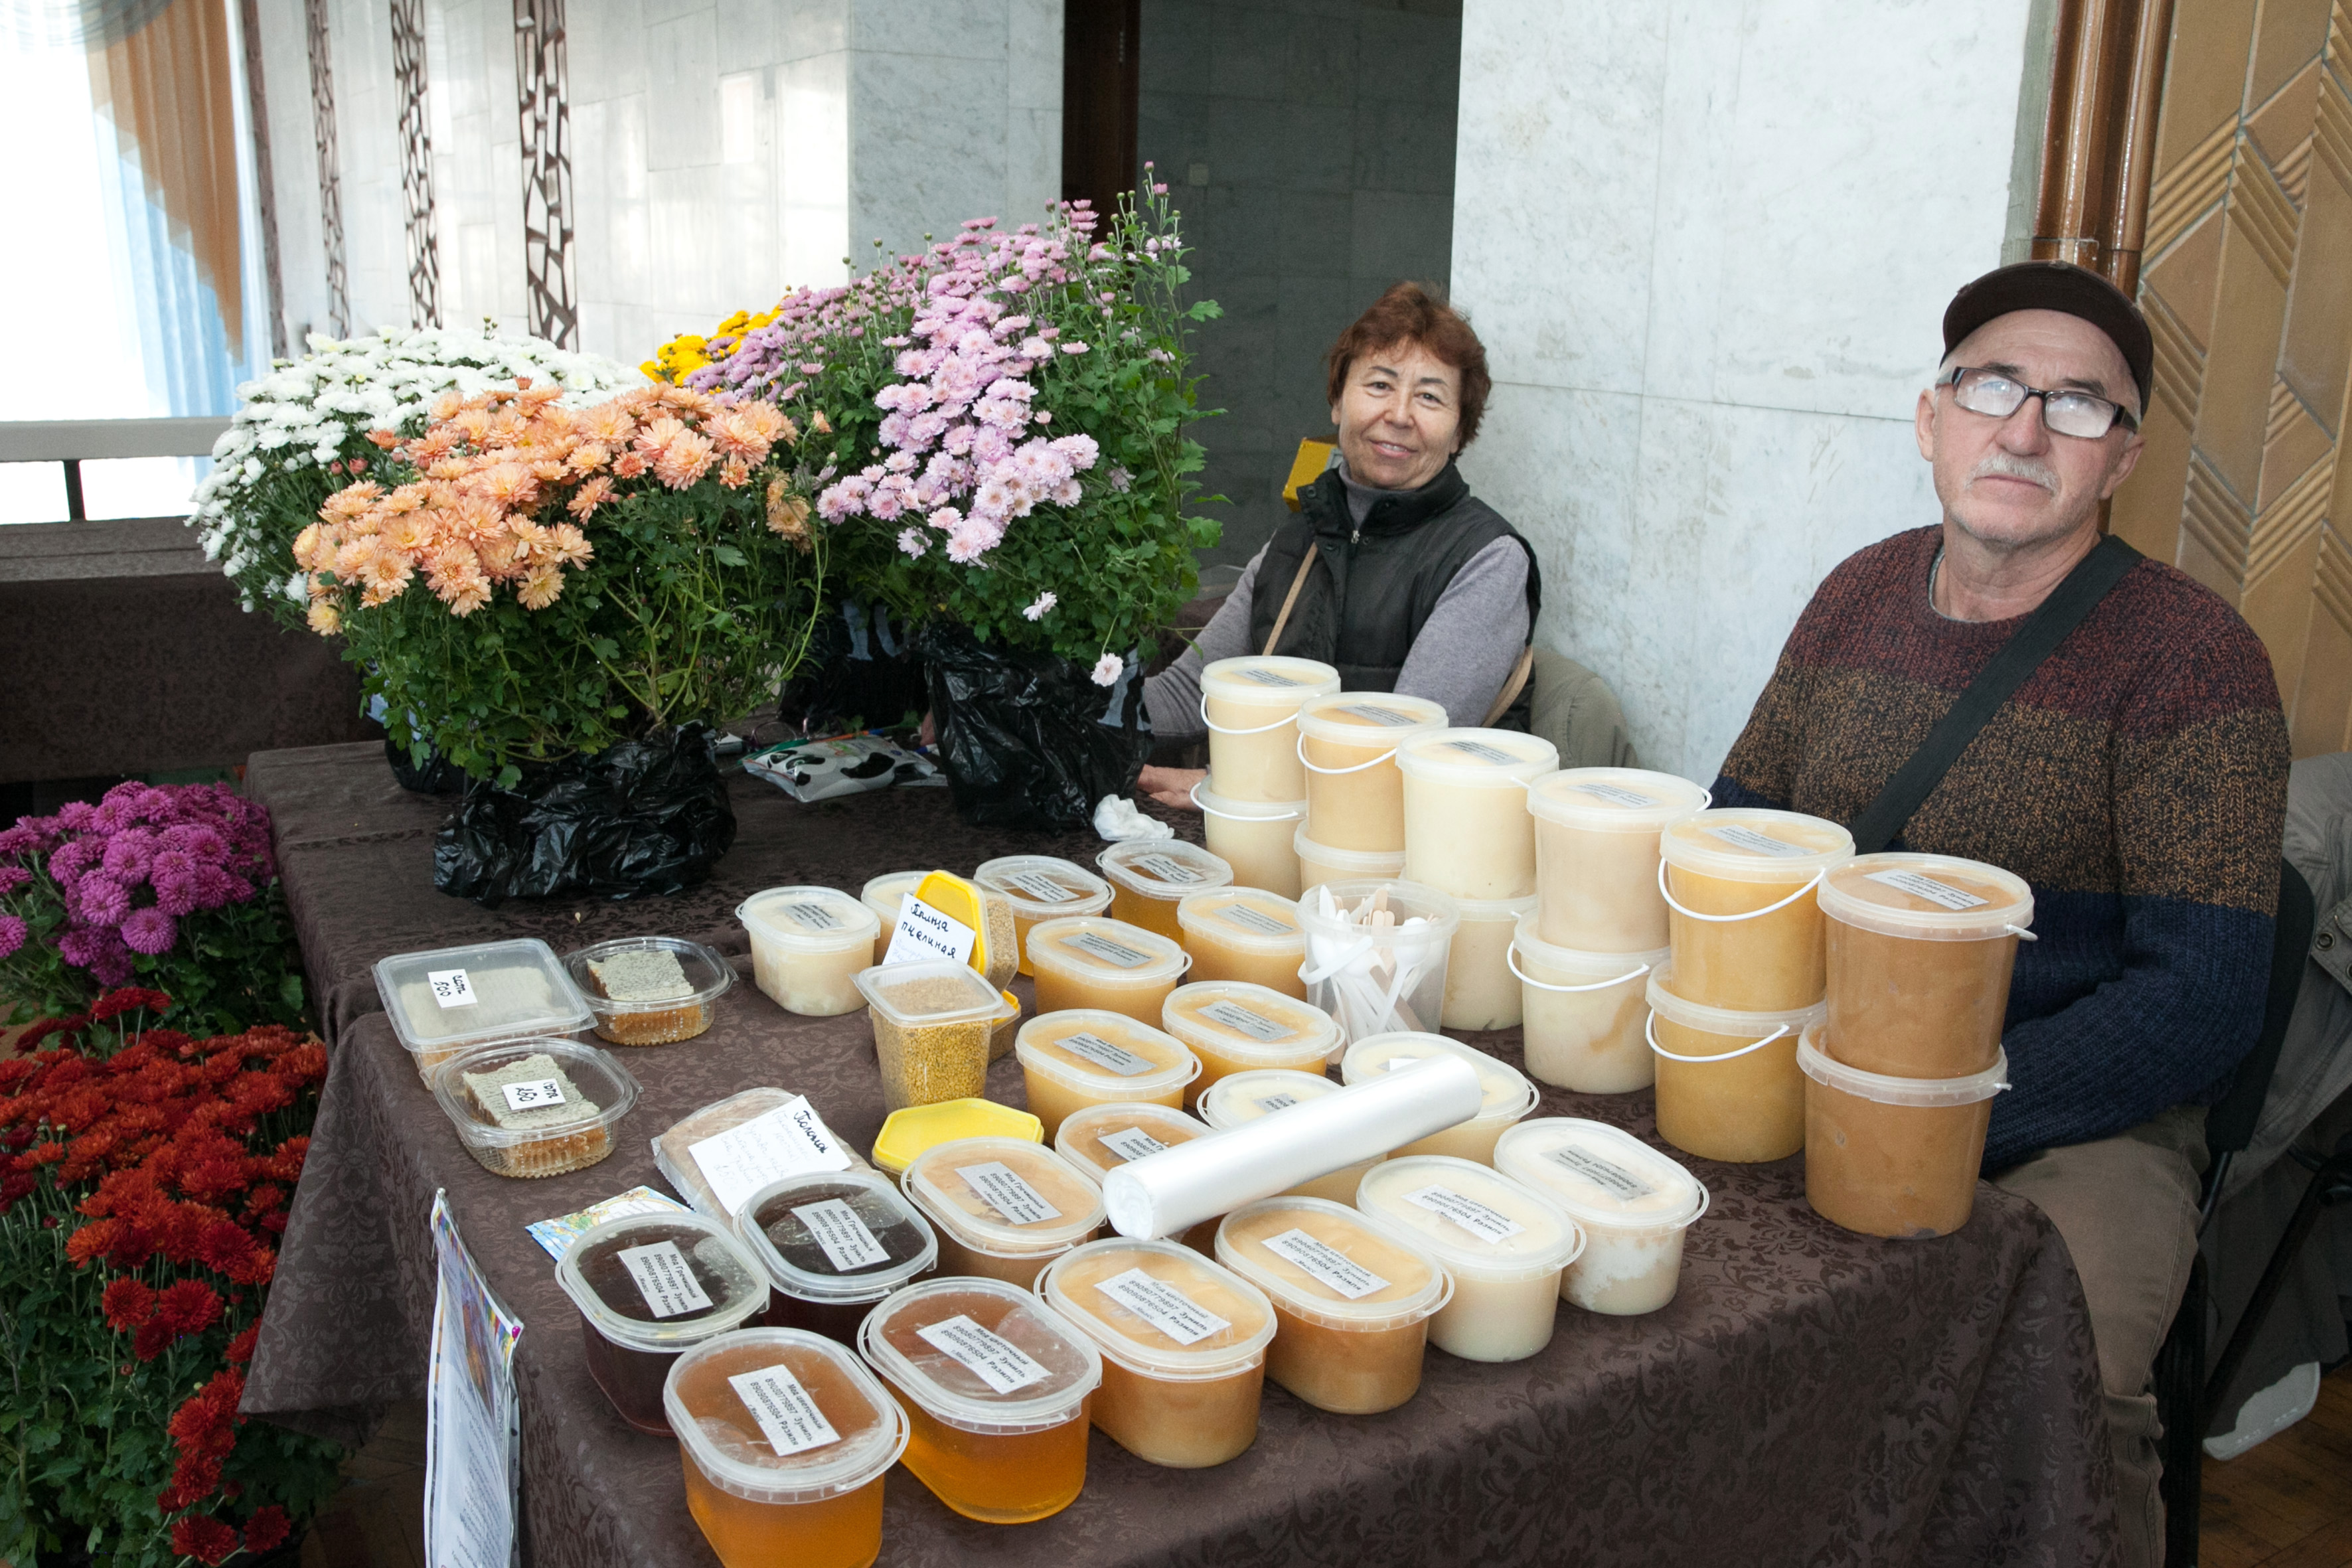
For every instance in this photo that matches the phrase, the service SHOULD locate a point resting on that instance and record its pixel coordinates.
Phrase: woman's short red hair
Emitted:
(1417, 313)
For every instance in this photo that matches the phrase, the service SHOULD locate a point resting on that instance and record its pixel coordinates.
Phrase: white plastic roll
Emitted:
(1168, 1192)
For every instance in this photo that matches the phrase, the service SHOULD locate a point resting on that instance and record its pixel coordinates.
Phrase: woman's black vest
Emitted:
(1362, 609)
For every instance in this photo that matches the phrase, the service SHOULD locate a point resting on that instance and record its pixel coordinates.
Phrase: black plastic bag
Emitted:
(439, 775)
(643, 816)
(861, 673)
(1029, 740)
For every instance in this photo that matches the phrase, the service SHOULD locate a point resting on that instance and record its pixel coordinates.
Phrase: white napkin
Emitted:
(1117, 818)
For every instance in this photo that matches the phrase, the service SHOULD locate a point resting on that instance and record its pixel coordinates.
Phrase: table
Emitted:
(1809, 1395)
(127, 653)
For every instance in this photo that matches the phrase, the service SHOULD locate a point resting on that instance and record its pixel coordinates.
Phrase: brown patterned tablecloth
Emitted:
(1810, 1397)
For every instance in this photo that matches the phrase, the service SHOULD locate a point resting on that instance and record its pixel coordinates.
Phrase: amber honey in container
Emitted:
(1728, 1088)
(1351, 1306)
(1348, 740)
(1244, 933)
(1101, 1138)
(1251, 707)
(1584, 1016)
(1504, 1095)
(1086, 961)
(1241, 1098)
(1090, 1056)
(1183, 1347)
(785, 1439)
(1466, 828)
(649, 1287)
(1597, 854)
(832, 1244)
(882, 895)
(1150, 876)
(1004, 1208)
(1322, 863)
(1481, 991)
(1892, 1156)
(1232, 1027)
(1040, 888)
(995, 1386)
(1744, 922)
(1920, 948)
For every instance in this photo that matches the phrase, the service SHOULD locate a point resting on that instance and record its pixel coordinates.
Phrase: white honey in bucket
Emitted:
(1257, 839)
(808, 946)
(1318, 863)
(1244, 933)
(1597, 854)
(1504, 1243)
(1355, 795)
(1633, 1203)
(1740, 863)
(1481, 992)
(1585, 1014)
(1251, 708)
(1467, 832)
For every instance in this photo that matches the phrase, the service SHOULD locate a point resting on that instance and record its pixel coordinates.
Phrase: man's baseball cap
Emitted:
(2055, 286)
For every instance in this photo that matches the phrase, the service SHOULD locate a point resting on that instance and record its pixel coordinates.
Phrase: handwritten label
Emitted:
(1167, 869)
(1928, 888)
(813, 917)
(1274, 1102)
(1105, 1055)
(451, 987)
(1613, 795)
(1267, 677)
(1131, 1143)
(1486, 1223)
(848, 1245)
(1757, 843)
(1039, 887)
(1242, 1021)
(1483, 751)
(1334, 1269)
(663, 1278)
(785, 1141)
(996, 1361)
(1607, 1174)
(923, 932)
(537, 1095)
(1162, 1306)
(788, 1417)
(996, 1184)
(1373, 715)
(1117, 954)
(1257, 921)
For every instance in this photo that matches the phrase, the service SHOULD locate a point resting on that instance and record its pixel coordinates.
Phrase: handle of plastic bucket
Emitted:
(1194, 794)
(1725, 919)
(1221, 730)
(1301, 749)
(1511, 957)
(1650, 1030)
(2021, 934)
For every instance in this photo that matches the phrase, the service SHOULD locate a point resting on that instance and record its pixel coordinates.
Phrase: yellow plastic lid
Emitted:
(908, 1132)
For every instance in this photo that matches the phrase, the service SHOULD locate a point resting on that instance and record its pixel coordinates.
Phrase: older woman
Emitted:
(1392, 572)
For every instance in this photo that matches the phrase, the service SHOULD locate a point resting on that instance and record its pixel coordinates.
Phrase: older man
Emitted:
(2137, 779)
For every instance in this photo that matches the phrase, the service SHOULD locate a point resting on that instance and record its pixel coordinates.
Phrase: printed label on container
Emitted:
(788, 1417)
(1274, 1102)
(1105, 1055)
(537, 1095)
(815, 917)
(996, 1184)
(1371, 715)
(785, 1141)
(1257, 921)
(1928, 888)
(663, 1278)
(1267, 677)
(994, 1360)
(1166, 869)
(1351, 1279)
(1607, 1174)
(1038, 888)
(1162, 1306)
(1131, 1143)
(1615, 794)
(848, 1245)
(451, 987)
(1242, 1021)
(1748, 838)
(1486, 1223)
(1117, 954)
(1483, 751)
(924, 932)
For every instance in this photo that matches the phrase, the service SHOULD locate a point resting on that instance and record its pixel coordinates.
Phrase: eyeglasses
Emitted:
(2069, 412)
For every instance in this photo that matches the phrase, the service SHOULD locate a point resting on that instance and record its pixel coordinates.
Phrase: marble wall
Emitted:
(721, 150)
(1310, 146)
(1708, 244)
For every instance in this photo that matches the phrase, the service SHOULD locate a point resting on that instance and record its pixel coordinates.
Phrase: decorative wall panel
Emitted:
(416, 164)
(330, 186)
(552, 305)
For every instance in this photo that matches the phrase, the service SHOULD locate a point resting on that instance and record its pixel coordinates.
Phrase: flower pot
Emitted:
(643, 816)
(1028, 739)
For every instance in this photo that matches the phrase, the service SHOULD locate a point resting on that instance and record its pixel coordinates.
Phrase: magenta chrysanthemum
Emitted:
(102, 899)
(12, 934)
(149, 931)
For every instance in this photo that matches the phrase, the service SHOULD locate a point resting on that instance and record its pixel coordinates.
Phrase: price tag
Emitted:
(1613, 795)
(1117, 954)
(1162, 1306)
(813, 917)
(1039, 888)
(1928, 888)
(1483, 751)
(1267, 677)
(1334, 1269)
(1105, 1055)
(1756, 843)
(1167, 869)
(994, 1184)
(848, 1245)
(1274, 1102)
(537, 1095)
(1371, 715)
(451, 987)
(1486, 1223)
(1242, 1021)
(923, 932)
(785, 1141)
(997, 1361)
(1131, 1143)
(788, 1417)
(1607, 1174)
(663, 1278)
(1257, 921)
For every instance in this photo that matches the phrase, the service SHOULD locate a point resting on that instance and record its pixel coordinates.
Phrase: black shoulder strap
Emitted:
(2019, 656)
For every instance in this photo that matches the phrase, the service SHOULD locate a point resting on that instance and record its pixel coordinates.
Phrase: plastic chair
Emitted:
(2184, 1395)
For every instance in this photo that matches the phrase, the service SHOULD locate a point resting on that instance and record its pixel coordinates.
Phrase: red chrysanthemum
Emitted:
(267, 1529)
(154, 1338)
(240, 1348)
(128, 1303)
(188, 1306)
(204, 1539)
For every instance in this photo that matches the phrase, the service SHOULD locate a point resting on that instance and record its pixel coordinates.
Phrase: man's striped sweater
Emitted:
(2137, 780)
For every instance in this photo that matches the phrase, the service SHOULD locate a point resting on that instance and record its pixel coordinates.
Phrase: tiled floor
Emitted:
(2287, 1503)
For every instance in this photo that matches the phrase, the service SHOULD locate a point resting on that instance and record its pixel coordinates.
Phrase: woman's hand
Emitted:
(1171, 786)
